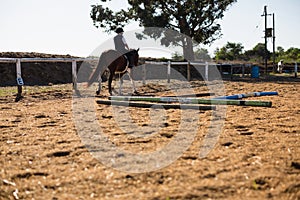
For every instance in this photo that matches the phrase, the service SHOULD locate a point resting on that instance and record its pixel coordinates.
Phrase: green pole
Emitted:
(193, 101)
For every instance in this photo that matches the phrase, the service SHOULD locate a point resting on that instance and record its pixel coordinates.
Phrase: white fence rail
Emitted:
(74, 61)
(188, 64)
(20, 82)
(18, 62)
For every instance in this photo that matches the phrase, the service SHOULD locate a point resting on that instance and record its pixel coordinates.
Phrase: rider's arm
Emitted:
(125, 43)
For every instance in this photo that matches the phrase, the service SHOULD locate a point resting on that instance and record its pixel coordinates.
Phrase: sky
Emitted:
(65, 26)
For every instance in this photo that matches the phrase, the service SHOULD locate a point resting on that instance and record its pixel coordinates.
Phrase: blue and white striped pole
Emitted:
(252, 94)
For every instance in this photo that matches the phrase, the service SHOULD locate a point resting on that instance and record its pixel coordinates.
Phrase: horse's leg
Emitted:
(110, 82)
(120, 83)
(131, 80)
(99, 85)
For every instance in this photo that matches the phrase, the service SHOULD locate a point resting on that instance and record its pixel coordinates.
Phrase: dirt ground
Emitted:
(257, 155)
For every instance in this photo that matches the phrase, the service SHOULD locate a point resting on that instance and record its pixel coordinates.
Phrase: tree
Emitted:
(279, 54)
(202, 54)
(292, 54)
(195, 19)
(231, 51)
(220, 54)
(280, 51)
(177, 56)
(257, 53)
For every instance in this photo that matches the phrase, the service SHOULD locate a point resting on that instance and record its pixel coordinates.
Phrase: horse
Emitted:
(111, 62)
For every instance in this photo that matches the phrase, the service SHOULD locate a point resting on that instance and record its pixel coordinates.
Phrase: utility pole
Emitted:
(267, 34)
(274, 56)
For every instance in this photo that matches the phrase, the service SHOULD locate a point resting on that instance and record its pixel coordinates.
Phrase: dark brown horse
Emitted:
(113, 63)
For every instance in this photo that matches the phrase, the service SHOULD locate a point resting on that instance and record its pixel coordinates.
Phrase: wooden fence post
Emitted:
(188, 71)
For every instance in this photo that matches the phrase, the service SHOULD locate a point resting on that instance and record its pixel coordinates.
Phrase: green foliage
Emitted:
(257, 54)
(234, 51)
(196, 19)
(106, 19)
(231, 51)
(177, 57)
(202, 54)
(292, 54)
(280, 51)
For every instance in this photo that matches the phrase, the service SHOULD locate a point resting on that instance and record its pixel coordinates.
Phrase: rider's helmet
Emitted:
(119, 30)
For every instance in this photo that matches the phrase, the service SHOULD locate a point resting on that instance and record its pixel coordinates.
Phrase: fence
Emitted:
(169, 64)
(74, 61)
(232, 69)
(18, 62)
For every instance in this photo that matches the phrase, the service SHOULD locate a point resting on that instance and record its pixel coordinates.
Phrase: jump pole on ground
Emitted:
(193, 101)
(252, 94)
(155, 105)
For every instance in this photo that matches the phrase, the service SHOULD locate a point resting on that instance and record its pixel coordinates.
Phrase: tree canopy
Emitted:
(234, 51)
(196, 20)
(231, 51)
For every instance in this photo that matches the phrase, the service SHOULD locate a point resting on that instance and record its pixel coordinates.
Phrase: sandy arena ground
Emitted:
(257, 155)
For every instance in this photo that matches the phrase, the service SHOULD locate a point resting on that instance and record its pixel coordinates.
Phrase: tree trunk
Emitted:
(187, 42)
(188, 51)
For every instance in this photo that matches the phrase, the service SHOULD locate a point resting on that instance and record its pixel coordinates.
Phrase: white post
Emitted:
(19, 72)
(169, 71)
(18, 65)
(206, 71)
(19, 79)
(74, 74)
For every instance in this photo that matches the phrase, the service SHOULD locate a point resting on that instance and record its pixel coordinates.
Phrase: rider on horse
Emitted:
(122, 47)
(119, 61)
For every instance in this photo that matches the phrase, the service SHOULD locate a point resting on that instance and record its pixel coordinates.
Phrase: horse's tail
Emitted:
(102, 64)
